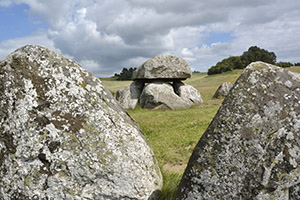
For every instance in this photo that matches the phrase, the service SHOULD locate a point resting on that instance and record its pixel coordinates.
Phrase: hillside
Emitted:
(174, 134)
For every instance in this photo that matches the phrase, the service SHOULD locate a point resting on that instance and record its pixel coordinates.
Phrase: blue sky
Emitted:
(219, 37)
(106, 35)
(15, 22)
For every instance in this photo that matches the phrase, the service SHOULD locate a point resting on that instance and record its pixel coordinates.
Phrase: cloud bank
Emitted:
(106, 35)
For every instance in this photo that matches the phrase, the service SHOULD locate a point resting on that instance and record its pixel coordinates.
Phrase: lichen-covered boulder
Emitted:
(128, 97)
(161, 95)
(63, 136)
(251, 149)
(223, 90)
(188, 93)
(163, 67)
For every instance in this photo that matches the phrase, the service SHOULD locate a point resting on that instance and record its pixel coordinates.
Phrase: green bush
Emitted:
(126, 74)
(253, 54)
(297, 64)
(284, 64)
(227, 64)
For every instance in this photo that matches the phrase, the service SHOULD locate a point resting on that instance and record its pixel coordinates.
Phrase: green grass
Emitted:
(114, 85)
(173, 134)
(294, 69)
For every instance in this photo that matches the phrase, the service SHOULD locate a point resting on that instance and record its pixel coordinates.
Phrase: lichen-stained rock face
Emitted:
(251, 150)
(163, 67)
(223, 90)
(161, 95)
(63, 136)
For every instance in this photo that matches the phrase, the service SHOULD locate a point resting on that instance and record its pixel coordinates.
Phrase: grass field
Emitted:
(174, 134)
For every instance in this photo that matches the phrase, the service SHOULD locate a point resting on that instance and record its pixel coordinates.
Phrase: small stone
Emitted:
(223, 90)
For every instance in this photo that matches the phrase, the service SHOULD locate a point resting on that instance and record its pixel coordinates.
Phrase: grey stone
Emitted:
(188, 93)
(128, 97)
(163, 67)
(251, 149)
(223, 90)
(161, 95)
(63, 136)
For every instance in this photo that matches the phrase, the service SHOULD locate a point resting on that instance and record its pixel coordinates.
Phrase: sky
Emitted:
(104, 36)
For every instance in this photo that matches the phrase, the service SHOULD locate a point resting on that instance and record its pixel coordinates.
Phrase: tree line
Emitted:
(253, 54)
(126, 74)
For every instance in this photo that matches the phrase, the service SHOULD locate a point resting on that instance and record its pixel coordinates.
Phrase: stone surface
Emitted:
(188, 93)
(128, 97)
(161, 95)
(63, 136)
(223, 90)
(163, 67)
(251, 149)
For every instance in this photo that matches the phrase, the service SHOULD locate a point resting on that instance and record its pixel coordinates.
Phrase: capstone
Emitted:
(163, 67)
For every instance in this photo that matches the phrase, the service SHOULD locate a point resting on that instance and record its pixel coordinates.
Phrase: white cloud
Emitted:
(38, 38)
(91, 66)
(5, 3)
(186, 52)
(107, 35)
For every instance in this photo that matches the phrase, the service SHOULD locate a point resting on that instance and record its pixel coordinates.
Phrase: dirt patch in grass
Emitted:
(174, 168)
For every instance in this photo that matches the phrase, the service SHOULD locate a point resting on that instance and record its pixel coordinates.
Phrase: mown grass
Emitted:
(173, 134)
(294, 69)
(113, 85)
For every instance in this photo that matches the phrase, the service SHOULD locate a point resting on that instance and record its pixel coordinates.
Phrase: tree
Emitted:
(284, 64)
(227, 64)
(297, 64)
(253, 54)
(126, 74)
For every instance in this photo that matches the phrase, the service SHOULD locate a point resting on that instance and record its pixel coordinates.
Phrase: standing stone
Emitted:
(251, 149)
(163, 67)
(188, 93)
(223, 90)
(63, 136)
(161, 95)
(128, 97)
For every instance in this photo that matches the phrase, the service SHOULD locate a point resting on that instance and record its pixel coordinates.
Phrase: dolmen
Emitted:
(251, 149)
(158, 84)
(64, 136)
